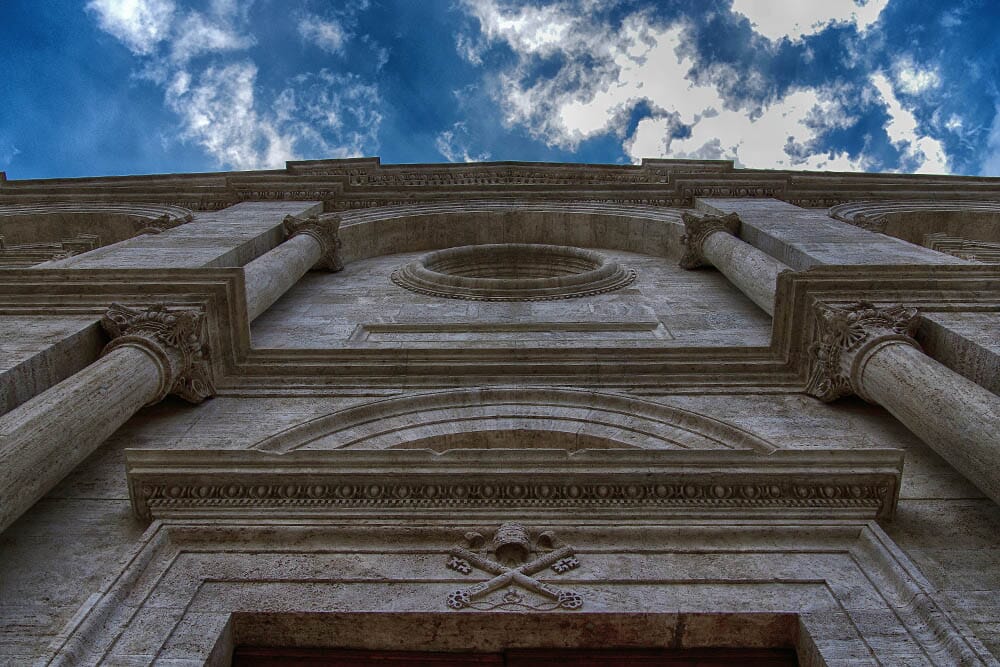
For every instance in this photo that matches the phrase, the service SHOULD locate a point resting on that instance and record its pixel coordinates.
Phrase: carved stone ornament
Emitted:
(326, 231)
(175, 338)
(511, 568)
(846, 335)
(700, 228)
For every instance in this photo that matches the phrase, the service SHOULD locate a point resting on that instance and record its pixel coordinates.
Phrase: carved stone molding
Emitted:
(326, 231)
(175, 338)
(513, 272)
(634, 483)
(846, 336)
(699, 228)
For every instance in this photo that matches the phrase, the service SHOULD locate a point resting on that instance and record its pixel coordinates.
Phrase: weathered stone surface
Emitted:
(368, 443)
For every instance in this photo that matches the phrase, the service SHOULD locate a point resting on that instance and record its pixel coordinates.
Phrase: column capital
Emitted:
(174, 338)
(698, 228)
(846, 337)
(326, 231)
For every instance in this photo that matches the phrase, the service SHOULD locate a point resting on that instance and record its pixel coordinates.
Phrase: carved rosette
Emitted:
(846, 337)
(700, 228)
(326, 231)
(175, 338)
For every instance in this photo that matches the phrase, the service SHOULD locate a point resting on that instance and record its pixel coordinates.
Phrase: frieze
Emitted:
(479, 176)
(869, 495)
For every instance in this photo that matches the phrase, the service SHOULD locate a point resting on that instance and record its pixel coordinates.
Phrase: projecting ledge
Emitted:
(633, 484)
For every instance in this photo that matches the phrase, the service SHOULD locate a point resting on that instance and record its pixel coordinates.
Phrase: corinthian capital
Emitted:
(699, 228)
(326, 231)
(847, 335)
(175, 338)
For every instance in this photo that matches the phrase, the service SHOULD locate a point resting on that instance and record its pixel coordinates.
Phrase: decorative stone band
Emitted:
(700, 228)
(175, 339)
(326, 230)
(846, 337)
(721, 484)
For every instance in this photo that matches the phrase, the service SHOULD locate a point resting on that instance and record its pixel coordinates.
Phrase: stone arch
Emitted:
(963, 228)
(35, 233)
(430, 226)
(528, 417)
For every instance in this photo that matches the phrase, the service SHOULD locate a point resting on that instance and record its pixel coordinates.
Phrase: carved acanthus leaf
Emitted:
(699, 228)
(326, 231)
(175, 337)
(844, 335)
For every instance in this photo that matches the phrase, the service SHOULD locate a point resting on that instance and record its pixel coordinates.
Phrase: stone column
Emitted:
(153, 352)
(713, 241)
(870, 351)
(312, 242)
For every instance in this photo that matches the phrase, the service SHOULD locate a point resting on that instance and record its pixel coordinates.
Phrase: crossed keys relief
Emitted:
(512, 547)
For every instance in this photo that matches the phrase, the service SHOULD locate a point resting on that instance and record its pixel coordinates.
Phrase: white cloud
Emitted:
(913, 79)
(928, 153)
(140, 24)
(334, 115)
(796, 19)
(454, 146)
(218, 100)
(327, 35)
(991, 165)
(607, 72)
(218, 112)
(197, 34)
(8, 152)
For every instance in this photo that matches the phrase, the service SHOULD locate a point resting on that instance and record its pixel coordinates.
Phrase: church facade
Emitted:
(677, 409)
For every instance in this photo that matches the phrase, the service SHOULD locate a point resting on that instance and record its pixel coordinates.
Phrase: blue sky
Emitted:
(100, 87)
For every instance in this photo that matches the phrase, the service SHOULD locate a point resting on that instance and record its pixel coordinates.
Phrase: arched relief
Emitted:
(521, 418)
(966, 229)
(35, 233)
(396, 229)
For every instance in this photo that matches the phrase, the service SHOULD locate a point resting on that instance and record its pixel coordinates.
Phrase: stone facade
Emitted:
(498, 406)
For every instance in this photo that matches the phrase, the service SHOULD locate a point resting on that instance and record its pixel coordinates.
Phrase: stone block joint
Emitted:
(697, 229)
(175, 339)
(326, 231)
(846, 337)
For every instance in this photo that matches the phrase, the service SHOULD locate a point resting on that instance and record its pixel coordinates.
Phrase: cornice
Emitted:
(366, 182)
(591, 483)
(782, 367)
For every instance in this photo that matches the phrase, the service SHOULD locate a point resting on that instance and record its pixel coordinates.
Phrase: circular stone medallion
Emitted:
(512, 272)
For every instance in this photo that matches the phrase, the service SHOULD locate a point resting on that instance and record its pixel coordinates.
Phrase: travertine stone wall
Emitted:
(967, 343)
(802, 238)
(38, 351)
(73, 542)
(231, 237)
(666, 305)
(63, 562)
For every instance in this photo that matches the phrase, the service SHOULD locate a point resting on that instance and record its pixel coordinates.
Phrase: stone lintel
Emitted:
(637, 484)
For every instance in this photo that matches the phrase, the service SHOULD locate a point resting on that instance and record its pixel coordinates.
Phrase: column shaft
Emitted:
(44, 439)
(752, 271)
(275, 272)
(956, 417)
